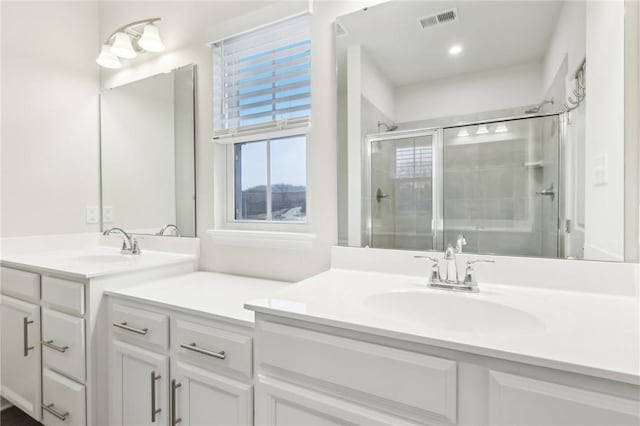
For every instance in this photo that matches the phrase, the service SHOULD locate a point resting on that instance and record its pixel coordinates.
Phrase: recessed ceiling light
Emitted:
(462, 133)
(501, 128)
(482, 130)
(454, 50)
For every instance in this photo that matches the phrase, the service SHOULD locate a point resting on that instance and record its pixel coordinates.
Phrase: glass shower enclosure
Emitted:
(497, 183)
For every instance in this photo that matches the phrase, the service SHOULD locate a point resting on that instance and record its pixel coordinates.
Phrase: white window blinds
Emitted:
(262, 81)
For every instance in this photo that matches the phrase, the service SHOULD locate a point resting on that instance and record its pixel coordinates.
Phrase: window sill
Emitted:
(298, 241)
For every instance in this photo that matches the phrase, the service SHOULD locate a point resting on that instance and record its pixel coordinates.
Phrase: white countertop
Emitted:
(585, 333)
(219, 296)
(86, 263)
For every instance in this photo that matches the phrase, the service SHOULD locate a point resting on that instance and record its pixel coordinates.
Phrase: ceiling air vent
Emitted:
(445, 17)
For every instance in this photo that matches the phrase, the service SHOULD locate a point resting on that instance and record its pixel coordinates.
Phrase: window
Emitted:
(270, 180)
(262, 108)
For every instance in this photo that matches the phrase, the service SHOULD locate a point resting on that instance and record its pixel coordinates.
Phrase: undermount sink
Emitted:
(456, 312)
(103, 258)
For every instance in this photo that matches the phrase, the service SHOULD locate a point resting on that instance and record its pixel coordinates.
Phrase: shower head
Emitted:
(388, 128)
(536, 109)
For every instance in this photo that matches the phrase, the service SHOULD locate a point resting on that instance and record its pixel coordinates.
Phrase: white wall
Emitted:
(605, 131)
(376, 87)
(470, 93)
(568, 41)
(50, 156)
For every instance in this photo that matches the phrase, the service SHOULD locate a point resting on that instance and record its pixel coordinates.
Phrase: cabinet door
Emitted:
(279, 403)
(138, 386)
(518, 400)
(201, 397)
(20, 353)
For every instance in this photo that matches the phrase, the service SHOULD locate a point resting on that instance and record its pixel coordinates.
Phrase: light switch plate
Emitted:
(107, 214)
(600, 170)
(92, 214)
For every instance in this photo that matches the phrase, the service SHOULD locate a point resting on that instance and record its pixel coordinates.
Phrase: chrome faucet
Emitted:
(129, 243)
(167, 227)
(462, 241)
(451, 282)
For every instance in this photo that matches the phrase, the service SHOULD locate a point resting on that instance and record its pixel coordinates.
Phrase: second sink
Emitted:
(454, 312)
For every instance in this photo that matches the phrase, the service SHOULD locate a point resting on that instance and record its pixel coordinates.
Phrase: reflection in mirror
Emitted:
(470, 118)
(148, 155)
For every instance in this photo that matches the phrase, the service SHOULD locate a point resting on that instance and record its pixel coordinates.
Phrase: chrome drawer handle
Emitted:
(49, 344)
(124, 326)
(174, 419)
(154, 411)
(56, 413)
(193, 347)
(25, 335)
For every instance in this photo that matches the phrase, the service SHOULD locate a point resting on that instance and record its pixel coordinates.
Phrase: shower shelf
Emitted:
(535, 164)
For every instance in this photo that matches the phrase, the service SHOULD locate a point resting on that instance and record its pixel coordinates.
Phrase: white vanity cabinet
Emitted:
(314, 374)
(43, 346)
(20, 354)
(168, 368)
(55, 337)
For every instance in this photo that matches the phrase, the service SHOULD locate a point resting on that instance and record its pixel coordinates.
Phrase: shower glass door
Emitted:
(501, 186)
(401, 188)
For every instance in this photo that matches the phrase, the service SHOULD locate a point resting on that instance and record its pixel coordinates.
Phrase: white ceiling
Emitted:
(494, 34)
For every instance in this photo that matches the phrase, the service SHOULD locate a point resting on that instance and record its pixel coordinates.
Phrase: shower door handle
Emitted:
(550, 192)
(380, 195)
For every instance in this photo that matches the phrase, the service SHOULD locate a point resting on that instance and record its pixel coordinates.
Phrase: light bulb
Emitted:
(463, 133)
(122, 46)
(107, 59)
(150, 39)
(482, 130)
(501, 128)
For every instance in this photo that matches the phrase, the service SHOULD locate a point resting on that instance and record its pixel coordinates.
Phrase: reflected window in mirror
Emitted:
(262, 109)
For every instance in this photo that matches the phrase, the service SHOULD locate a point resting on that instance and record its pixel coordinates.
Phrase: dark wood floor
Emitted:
(14, 417)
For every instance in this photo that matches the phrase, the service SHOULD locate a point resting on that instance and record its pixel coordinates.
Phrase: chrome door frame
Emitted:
(436, 171)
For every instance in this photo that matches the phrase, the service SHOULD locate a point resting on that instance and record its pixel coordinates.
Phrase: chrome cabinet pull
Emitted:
(154, 410)
(25, 334)
(49, 408)
(193, 347)
(50, 344)
(124, 326)
(174, 420)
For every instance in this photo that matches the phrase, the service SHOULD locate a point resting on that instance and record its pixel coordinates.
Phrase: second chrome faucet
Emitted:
(451, 281)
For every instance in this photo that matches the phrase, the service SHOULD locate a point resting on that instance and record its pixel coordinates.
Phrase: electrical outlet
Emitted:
(107, 214)
(92, 214)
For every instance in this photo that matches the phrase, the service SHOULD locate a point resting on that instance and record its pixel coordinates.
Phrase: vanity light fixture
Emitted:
(463, 133)
(482, 130)
(129, 40)
(455, 50)
(501, 128)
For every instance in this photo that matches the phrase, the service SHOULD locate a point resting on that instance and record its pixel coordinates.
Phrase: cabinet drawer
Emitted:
(20, 284)
(213, 347)
(137, 325)
(67, 296)
(517, 400)
(63, 344)
(403, 377)
(63, 401)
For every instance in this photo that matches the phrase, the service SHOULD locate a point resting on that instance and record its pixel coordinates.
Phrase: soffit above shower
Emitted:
(419, 53)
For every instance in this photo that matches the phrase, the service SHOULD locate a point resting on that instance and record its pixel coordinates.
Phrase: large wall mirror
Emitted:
(496, 124)
(148, 155)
